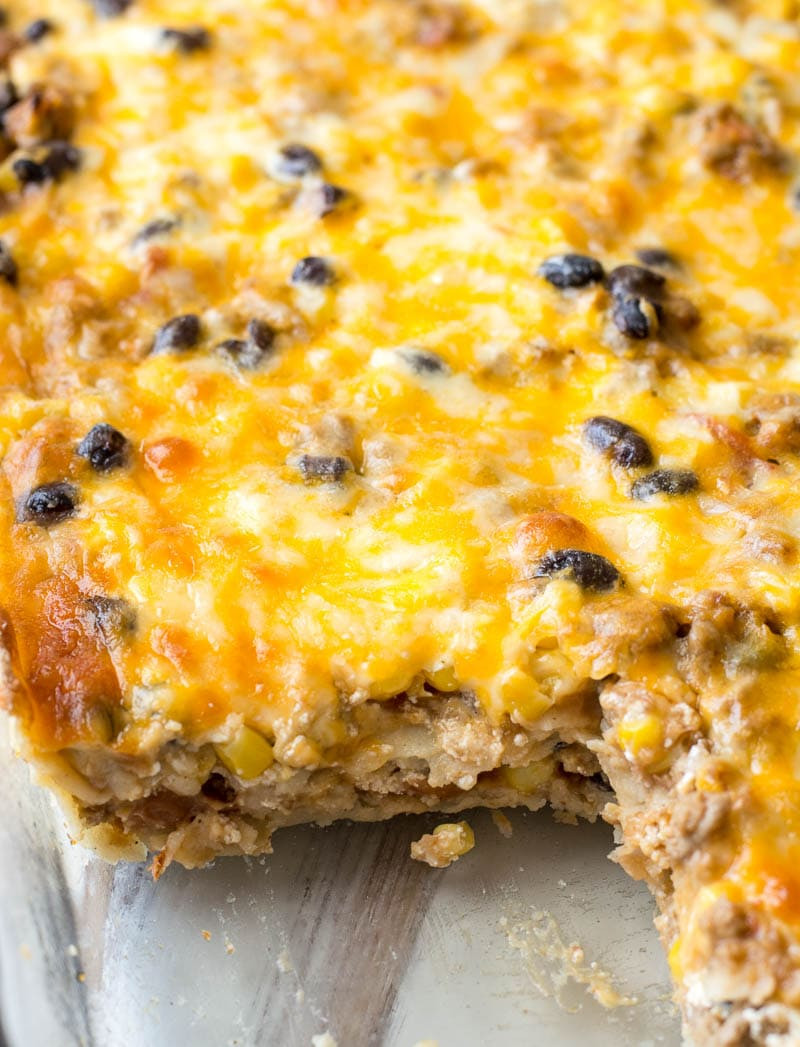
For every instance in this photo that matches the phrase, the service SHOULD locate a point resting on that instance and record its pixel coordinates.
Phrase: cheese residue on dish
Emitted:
(552, 965)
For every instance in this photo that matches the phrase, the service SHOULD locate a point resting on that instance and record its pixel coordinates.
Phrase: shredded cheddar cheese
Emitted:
(383, 418)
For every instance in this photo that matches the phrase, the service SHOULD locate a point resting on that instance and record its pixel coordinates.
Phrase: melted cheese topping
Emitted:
(475, 141)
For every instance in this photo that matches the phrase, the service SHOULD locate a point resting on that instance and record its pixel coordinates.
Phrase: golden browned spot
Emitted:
(542, 531)
(171, 458)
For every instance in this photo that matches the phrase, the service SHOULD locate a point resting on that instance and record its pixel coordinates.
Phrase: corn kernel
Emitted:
(528, 779)
(248, 755)
(242, 172)
(115, 279)
(460, 834)
(644, 732)
(718, 72)
(443, 679)
(560, 602)
(643, 741)
(8, 180)
(445, 845)
(392, 685)
(675, 960)
(518, 692)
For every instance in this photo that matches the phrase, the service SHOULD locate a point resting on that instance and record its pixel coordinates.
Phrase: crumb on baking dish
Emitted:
(445, 845)
(503, 824)
(323, 1039)
(552, 964)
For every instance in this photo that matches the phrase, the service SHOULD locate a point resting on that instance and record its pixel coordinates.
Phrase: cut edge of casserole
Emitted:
(440, 754)
(427, 751)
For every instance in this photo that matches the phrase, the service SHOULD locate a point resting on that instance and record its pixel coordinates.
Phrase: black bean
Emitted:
(232, 348)
(178, 334)
(261, 335)
(8, 267)
(312, 270)
(38, 30)
(659, 257)
(623, 444)
(589, 570)
(110, 8)
(250, 352)
(665, 481)
(324, 467)
(154, 228)
(49, 504)
(571, 270)
(631, 317)
(327, 198)
(29, 172)
(296, 161)
(634, 281)
(187, 41)
(60, 158)
(105, 448)
(8, 95)
(113, 617)
(422, 361)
